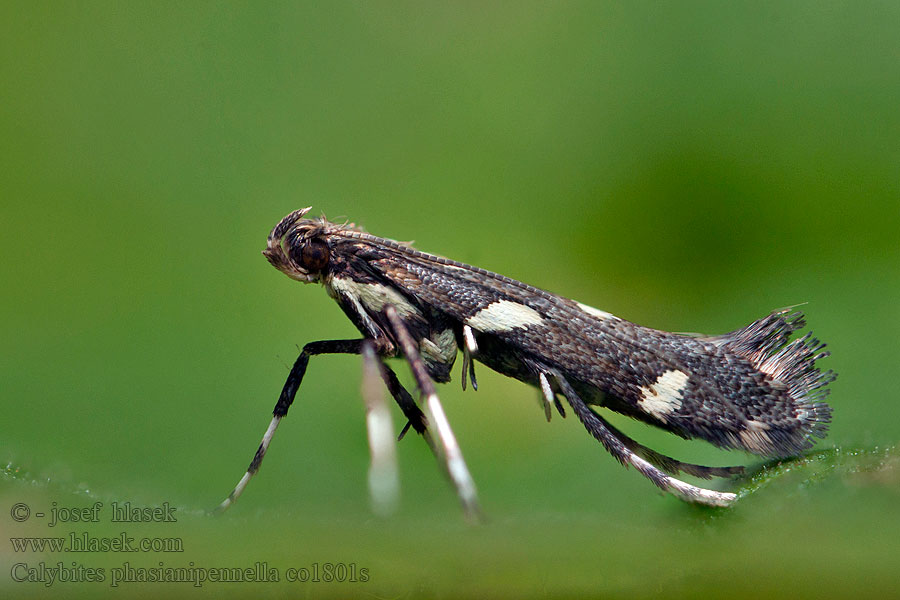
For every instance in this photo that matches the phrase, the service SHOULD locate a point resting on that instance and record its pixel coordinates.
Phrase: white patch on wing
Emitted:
(374, 296)
(664, 397)
(594, 312)
(504, 315)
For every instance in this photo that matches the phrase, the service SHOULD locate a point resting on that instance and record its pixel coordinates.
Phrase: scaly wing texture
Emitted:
(750, 389)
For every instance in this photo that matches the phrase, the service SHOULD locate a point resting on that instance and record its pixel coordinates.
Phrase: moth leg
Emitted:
(285, 399)
(559, 407)
(668, 464)
(447, 447)
(383, 477)
(468, 370)
(415, 418)
(603, 432)
(467, 358)
(470, 347)
(414, 415)
(547, 396)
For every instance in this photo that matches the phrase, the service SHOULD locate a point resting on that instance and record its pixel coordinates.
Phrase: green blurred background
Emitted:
(689, 167)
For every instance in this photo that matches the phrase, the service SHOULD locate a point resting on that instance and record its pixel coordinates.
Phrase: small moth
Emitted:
(751, 389)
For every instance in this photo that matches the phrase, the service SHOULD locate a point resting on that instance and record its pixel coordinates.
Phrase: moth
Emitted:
(752, 389)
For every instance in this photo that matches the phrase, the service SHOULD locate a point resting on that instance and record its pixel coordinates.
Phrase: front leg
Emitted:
(286, 398)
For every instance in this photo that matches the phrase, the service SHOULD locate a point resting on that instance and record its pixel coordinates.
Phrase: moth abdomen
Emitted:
(750, 389)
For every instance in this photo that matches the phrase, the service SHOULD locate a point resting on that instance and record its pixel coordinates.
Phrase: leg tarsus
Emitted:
(601, 430)
(253, 468)
(669, 464)
(285, 399)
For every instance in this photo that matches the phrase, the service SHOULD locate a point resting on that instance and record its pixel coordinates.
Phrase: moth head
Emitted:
(298, 248)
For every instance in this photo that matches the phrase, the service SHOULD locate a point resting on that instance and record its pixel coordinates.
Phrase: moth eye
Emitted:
(314, 256)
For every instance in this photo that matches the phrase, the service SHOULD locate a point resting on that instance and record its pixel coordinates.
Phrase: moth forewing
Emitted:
(751, 389)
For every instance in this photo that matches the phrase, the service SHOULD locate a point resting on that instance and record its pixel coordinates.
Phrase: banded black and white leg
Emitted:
(411, 411)
(415, 418)
(669, 464)
(285, 399)
(628, 452)
(448, 450)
